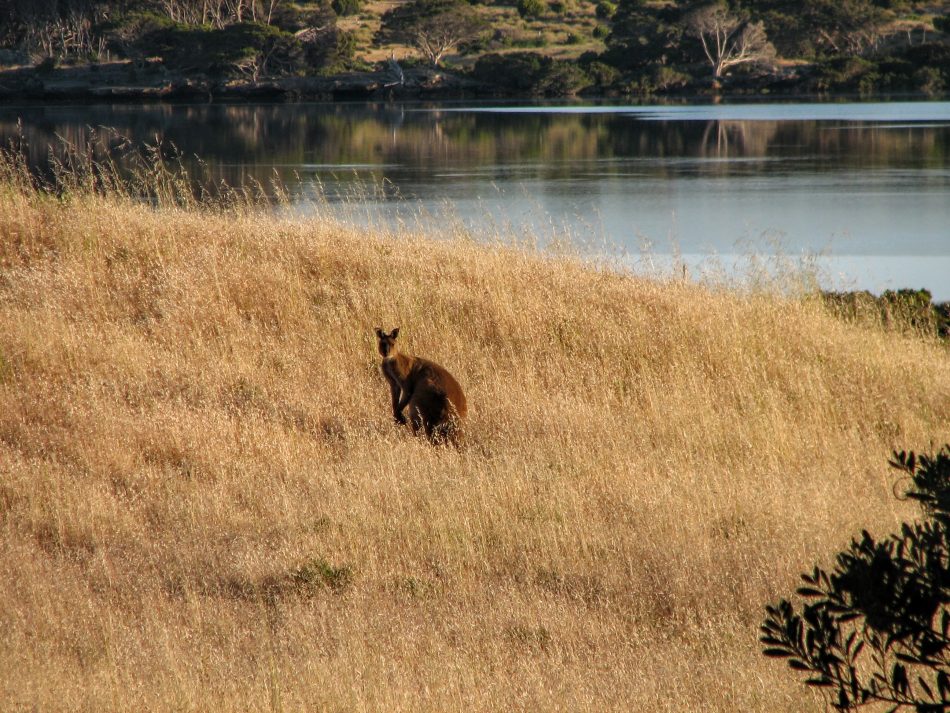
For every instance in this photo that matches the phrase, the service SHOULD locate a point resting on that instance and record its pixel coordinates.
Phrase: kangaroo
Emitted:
(435, 399)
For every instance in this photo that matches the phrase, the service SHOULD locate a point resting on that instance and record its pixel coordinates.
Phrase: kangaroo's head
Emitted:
(387, 342)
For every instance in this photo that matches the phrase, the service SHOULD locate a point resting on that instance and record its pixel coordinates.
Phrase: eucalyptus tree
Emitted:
(434, 27)
(727, 39)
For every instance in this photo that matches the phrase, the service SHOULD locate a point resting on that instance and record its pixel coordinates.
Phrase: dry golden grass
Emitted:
(204, 504)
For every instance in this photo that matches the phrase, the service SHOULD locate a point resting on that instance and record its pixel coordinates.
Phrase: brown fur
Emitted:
(434, 398)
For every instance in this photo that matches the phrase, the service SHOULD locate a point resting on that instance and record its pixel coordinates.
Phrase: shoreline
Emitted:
(124, 82)
(127, 82)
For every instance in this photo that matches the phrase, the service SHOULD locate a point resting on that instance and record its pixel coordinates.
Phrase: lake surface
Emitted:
(864, 188)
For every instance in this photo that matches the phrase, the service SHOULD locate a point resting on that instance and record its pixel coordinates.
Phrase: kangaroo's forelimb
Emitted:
(398, 404)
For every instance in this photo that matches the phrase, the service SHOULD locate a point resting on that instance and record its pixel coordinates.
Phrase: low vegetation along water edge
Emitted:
(206, 505)
(146, 49)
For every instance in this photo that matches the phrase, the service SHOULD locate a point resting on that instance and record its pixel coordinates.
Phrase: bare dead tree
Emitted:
(219, 13)
(237, 8)
(61, 31)
(271, 5)
(188, 12)
(728, 40)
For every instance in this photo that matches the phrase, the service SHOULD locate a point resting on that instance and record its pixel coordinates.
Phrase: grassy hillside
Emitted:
(565, 29)
(205, 505)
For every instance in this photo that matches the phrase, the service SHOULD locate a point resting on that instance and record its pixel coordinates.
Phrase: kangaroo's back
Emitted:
(437, 380)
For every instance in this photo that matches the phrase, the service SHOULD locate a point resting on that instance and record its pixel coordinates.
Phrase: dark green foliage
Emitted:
(124, 32)
(320, 573)
(876, 629)
(347, 7)
(47, 65)
(842, 73)
(138, 29)
(915, 309)
(344, 50)
(842, 35)
(563, 79)
(602, 75)
(935, 55)
(646, 40)
(329, 50)
(293, 17)
(667, 78)
(605, 9)
(242, 48)
(434, 27)
(530, 73)
(912, 310)
(820, 27)
(643, 35)
(922, 67)
(658, 78)
(531, 8)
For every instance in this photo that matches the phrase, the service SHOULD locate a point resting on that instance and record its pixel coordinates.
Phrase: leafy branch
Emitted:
(876, 629)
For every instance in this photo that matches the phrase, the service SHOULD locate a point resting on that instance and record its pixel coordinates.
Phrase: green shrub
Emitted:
(875, 629)
(914, 310)
(572, 39)
(294, 17)
(602, 75)
(331, 51)
(842, 73)
(518, 71)
(902, 310)
(531, 8)
(47, 65)
(531, 73)
(347, 7)
(665, 78)
(600, 32)
(320, 573)
(925, 67)
(243, 48)
(605, 9)
(932, 54)
(929, 80)
(124, 33)
(502, 37)
(433, 27)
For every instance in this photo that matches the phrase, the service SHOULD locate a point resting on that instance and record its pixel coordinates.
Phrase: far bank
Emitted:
(517, 75)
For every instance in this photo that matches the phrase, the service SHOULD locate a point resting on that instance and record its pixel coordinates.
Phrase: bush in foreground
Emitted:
(877, 628)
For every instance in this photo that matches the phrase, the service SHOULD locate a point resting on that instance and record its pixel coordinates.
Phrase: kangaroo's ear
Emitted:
(379, 333)
(395, 333)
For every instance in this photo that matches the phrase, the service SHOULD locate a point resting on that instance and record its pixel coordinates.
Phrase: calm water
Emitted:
(865, 185)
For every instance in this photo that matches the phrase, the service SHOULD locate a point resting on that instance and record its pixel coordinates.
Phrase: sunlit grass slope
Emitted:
(205, 505)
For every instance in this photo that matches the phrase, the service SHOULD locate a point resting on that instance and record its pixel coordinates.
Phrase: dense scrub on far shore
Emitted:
(146, 49)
